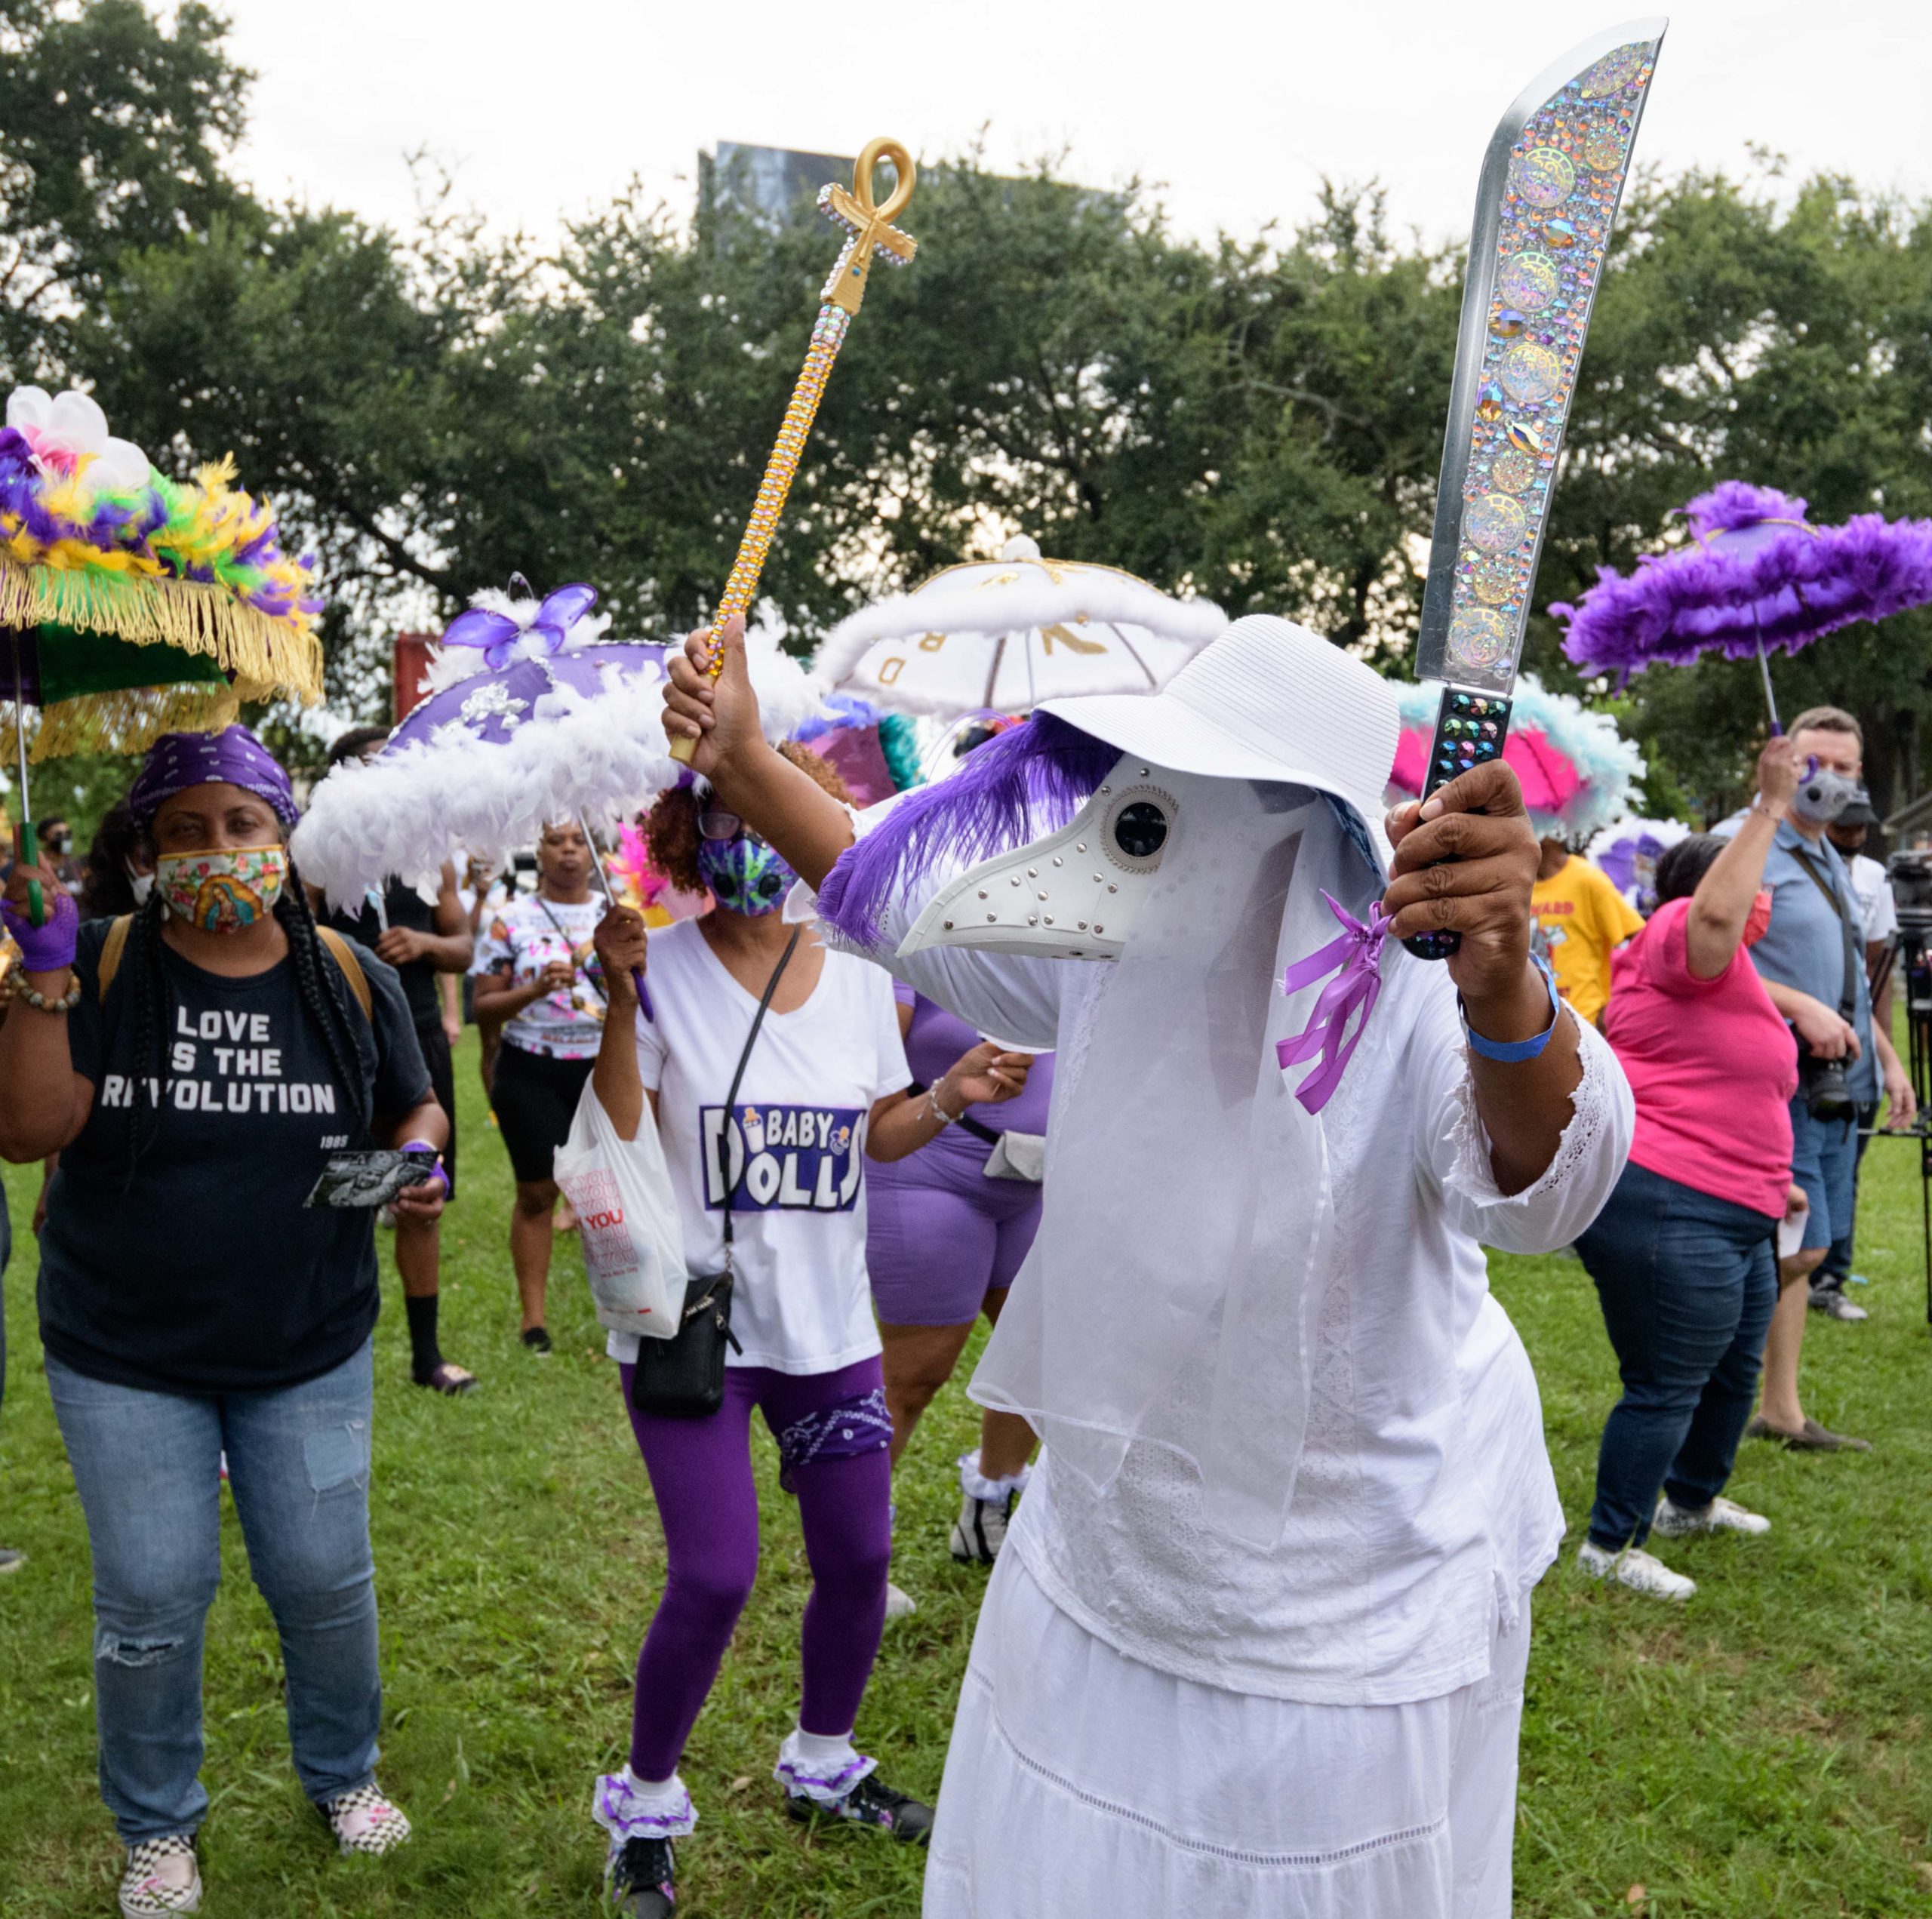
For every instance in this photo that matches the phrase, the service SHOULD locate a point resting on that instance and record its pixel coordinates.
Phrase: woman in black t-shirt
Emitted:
(196, 1067)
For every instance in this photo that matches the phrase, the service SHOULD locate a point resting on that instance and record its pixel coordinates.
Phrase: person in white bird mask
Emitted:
(1257, 1648)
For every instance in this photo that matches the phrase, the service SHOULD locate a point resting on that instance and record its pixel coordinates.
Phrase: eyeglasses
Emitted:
(716, 824)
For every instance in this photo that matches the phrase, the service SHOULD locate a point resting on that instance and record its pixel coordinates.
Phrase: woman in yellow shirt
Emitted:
(1583, 919)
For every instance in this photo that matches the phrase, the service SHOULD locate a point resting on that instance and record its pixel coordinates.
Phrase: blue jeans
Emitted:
(1688, 1282)
(148, 1468)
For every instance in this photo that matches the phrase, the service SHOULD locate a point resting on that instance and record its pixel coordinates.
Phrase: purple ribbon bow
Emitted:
(497, 634)
(1357, 950)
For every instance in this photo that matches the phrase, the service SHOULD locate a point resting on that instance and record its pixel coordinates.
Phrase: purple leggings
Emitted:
(701, 1474)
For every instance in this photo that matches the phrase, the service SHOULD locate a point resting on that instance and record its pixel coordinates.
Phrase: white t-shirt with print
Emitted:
(801, 1302)
(526, 934)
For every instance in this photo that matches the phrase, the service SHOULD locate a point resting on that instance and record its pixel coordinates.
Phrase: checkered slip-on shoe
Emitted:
(162, 1876)
(365, 1821)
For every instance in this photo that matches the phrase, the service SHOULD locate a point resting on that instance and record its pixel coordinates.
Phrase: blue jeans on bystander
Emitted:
(1688, 1282)
(148, 1467)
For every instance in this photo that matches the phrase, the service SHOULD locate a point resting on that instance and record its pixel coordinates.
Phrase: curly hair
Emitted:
(670, 827)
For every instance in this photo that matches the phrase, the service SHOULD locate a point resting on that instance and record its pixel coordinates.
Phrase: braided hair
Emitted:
(318, 981)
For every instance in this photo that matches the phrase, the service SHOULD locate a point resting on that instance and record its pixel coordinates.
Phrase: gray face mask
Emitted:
(1822, 794)
(143, 884)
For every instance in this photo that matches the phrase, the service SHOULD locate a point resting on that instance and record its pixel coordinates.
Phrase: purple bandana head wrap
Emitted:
(177, 760)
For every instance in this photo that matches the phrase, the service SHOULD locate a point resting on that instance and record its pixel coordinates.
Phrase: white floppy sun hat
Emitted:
(1266, 699)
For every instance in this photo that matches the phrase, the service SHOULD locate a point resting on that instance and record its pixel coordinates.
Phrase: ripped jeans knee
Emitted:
(134, 1652)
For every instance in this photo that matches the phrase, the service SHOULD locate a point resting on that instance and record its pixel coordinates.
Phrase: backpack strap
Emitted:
(343, 954)
(112, 948)
(339, 950)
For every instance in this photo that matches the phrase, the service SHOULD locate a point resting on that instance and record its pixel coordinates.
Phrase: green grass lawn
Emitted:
(1764, 1751)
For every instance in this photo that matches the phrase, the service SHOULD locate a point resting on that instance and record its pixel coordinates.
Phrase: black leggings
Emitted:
(535, 1097)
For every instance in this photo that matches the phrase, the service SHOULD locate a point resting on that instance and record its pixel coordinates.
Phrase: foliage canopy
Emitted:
(1257, 420)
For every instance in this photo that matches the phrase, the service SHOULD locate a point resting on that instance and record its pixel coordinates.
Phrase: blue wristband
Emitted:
(1511, 1052)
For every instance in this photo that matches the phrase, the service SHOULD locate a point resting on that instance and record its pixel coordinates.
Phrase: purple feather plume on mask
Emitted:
(1027, 781)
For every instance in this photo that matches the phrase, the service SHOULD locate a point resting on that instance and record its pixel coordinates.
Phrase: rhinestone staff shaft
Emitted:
(870, 235)
(828, 335)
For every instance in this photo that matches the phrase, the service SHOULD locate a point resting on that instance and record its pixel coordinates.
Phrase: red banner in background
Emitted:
(412, 657)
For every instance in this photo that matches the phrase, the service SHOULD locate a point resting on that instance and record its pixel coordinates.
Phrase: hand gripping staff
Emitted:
(870, 232)
(1545, 204)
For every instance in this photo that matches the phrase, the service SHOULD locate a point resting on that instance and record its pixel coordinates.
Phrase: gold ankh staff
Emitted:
(870, 235)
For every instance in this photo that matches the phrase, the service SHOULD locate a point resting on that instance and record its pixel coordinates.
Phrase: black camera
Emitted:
(1824, 1086)
(1911, 875)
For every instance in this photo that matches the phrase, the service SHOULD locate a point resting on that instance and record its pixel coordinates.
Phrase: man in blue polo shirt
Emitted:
(1812, 961)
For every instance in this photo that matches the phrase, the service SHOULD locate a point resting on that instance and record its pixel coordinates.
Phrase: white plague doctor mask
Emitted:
(1167, 1295)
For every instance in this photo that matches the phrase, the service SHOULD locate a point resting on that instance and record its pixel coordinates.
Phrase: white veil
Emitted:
(1167, 1297)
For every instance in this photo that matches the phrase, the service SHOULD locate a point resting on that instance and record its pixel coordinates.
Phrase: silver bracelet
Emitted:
(938, 1111)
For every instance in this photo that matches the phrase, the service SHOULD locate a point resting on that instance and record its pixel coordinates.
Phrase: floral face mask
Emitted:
(223, 891)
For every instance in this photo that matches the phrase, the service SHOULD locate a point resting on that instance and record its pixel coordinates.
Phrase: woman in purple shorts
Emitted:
(947, 1230)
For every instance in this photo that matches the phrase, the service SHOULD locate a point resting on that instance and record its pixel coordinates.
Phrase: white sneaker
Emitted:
(985, 1511)
(161, 1876)
(980, 1531)
(365, 1821)
(1634, 1568)
(899, 1603)
(1722, 1515)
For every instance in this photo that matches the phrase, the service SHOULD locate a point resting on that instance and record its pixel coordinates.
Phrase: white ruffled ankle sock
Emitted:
(628, 1807)
(824, 1765)
(976, 1486)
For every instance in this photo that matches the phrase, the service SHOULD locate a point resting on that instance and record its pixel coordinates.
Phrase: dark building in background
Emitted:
(773, 184)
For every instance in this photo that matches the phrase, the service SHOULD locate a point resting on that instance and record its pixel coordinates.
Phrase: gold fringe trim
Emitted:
(129, 721)
(267, 659)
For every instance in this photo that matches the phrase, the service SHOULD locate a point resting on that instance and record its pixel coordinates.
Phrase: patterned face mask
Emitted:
(222, 892)
(745, 875)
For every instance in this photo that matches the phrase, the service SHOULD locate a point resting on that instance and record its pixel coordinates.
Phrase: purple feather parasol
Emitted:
(1759, 579)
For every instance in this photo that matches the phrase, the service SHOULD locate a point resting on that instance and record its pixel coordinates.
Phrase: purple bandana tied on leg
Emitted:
(1357, 950)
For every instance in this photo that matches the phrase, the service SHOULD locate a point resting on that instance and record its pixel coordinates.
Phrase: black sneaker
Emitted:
(642, 1879)
(872, 1802)
(537, 1339)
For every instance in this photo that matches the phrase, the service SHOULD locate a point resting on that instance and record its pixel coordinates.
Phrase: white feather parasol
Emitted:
(1006, 634)
(494, 755)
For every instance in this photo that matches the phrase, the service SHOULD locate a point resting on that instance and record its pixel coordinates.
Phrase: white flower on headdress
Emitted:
(494, 699)
(69, 433)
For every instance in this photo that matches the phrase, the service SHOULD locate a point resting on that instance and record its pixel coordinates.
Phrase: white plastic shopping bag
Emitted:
(627, 1220)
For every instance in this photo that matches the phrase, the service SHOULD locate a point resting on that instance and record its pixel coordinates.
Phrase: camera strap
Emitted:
(1848, 996)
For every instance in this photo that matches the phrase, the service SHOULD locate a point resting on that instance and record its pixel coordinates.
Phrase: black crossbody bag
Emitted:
(683, 1377)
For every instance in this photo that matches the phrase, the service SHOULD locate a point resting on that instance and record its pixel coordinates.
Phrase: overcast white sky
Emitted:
(1239, 108)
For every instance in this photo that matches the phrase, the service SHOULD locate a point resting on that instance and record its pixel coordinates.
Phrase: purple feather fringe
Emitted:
(1732, 505)
(1029, 780)
(1786, 591)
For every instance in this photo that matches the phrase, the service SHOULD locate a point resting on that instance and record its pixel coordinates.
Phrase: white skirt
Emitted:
(1083, 1785)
